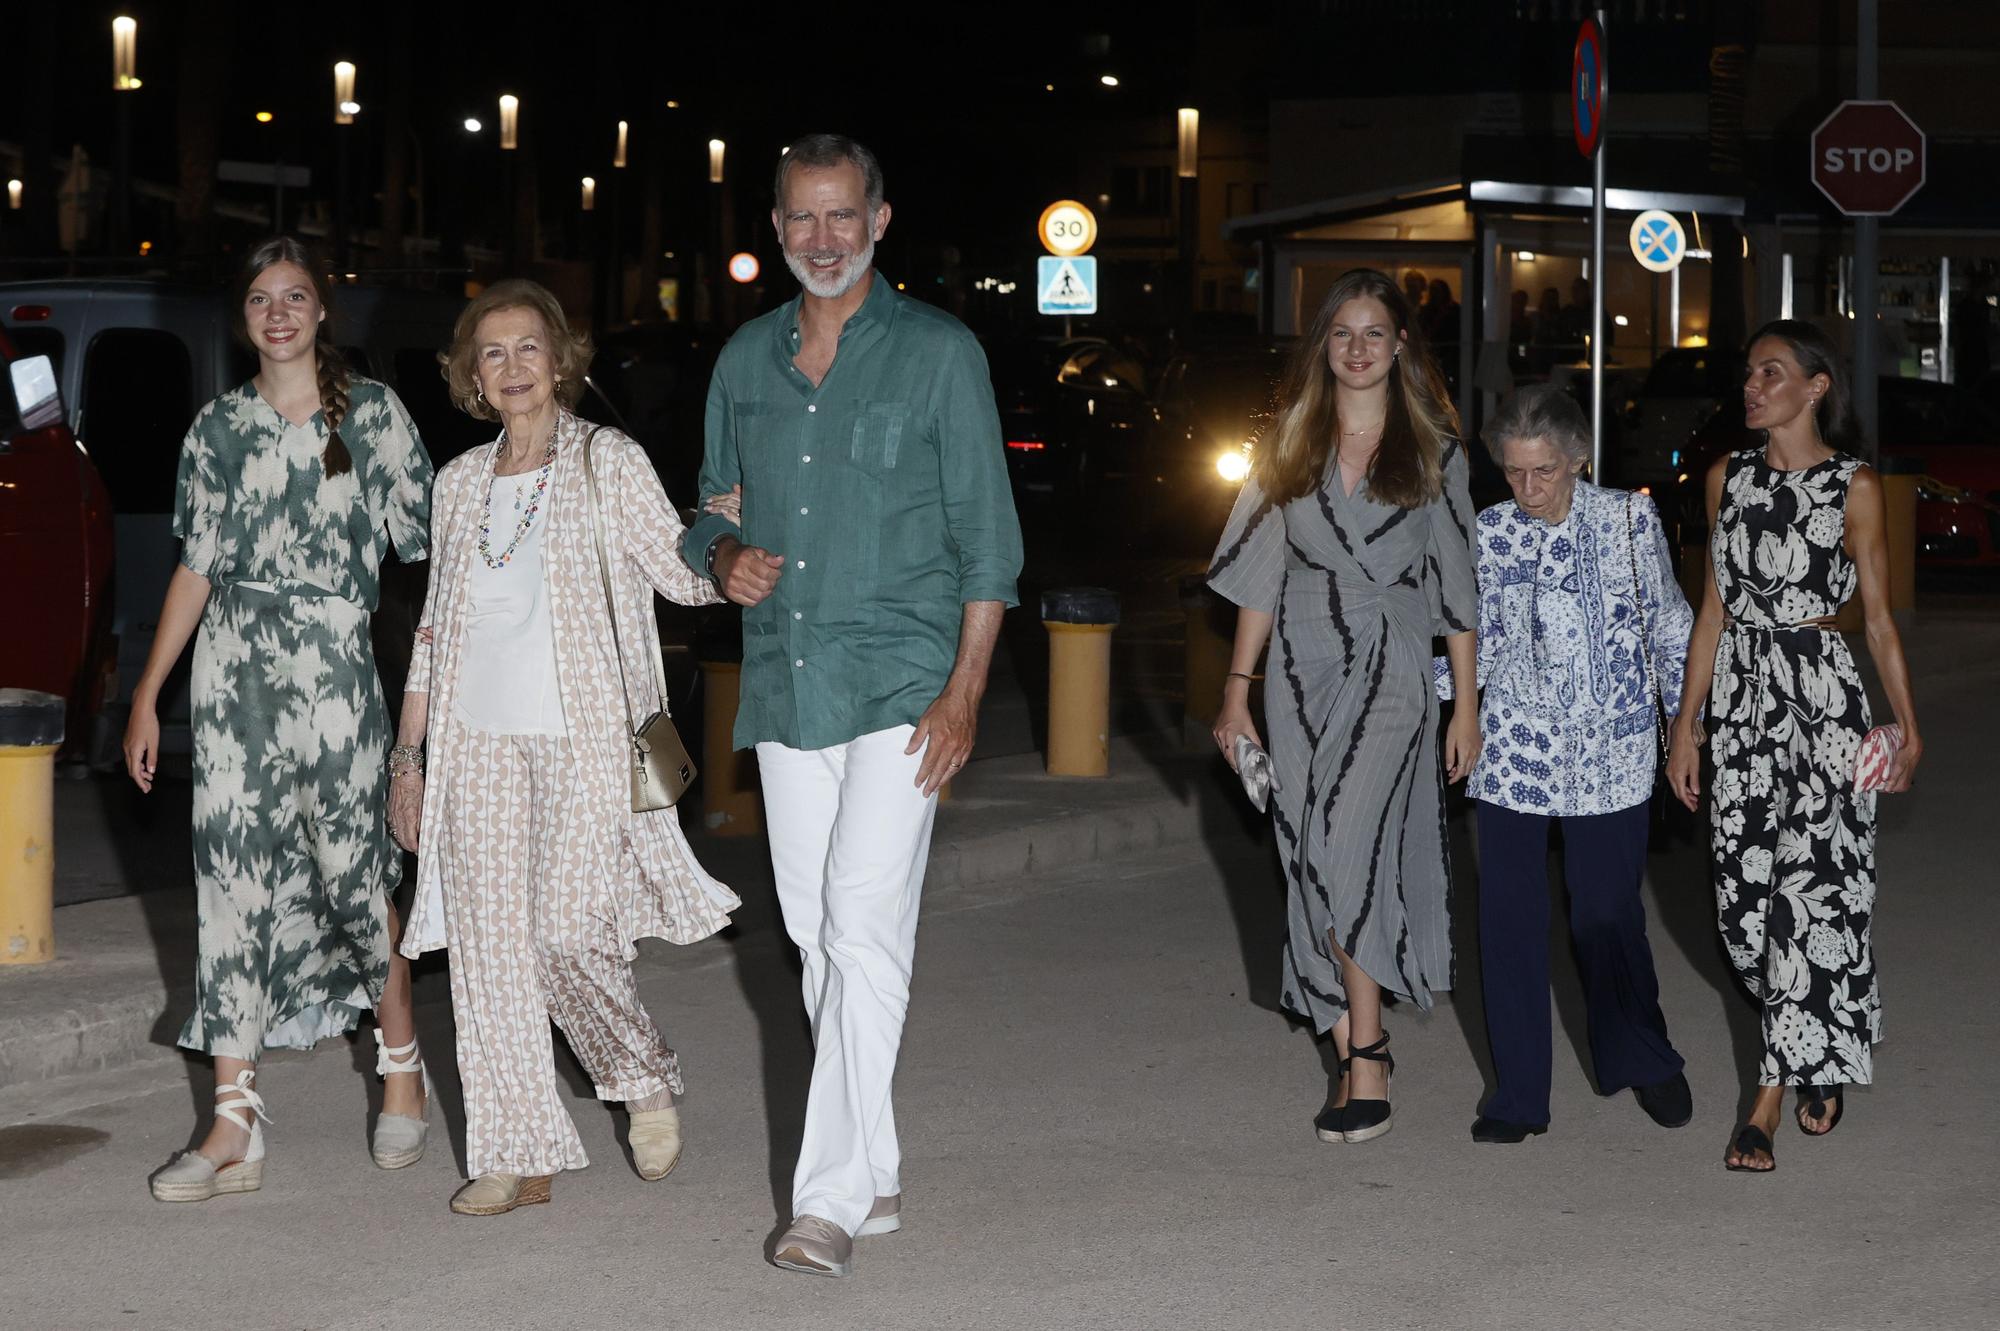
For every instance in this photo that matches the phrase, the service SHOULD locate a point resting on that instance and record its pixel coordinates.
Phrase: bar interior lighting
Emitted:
(1190, 141)
(124, 53)
(344, 105)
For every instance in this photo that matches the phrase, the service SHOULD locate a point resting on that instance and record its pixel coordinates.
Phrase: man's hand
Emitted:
(945, 733)
(745, 573)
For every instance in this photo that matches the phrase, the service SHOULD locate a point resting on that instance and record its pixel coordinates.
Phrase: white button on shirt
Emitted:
(812, 406)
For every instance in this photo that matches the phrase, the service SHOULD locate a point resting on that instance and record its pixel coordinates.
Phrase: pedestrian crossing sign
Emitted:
(1066, 285)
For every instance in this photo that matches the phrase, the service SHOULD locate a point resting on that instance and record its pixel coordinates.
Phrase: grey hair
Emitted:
(1540, 411)
(825, 150)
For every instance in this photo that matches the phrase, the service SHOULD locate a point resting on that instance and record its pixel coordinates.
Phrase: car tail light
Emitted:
(24, 314)
(1026, 445)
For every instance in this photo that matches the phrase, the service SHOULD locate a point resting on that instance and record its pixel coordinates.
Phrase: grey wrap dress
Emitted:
(1357, 590)
(292, 857)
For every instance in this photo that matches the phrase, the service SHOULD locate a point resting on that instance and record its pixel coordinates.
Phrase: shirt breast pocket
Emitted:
(878, 434)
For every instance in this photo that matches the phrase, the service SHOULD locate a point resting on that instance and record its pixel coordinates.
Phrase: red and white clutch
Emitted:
(1876, 758)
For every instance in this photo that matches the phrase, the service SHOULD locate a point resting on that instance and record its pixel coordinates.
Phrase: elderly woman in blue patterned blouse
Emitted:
(1582, 635)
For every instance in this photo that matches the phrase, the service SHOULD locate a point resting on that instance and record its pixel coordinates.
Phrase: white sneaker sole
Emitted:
(792, 1259)
(887, 1224)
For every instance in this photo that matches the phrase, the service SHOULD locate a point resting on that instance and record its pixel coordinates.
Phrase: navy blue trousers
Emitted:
(1603, 856)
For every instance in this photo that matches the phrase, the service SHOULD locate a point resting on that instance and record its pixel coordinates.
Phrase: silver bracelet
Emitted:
(406, 758)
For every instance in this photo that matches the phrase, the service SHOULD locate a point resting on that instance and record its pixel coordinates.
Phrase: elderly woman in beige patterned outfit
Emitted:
(533, 869)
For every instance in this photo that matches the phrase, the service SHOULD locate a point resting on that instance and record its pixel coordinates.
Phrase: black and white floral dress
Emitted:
(1794, 845)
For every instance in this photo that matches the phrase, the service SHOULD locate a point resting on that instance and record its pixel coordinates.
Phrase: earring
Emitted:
(481, 396)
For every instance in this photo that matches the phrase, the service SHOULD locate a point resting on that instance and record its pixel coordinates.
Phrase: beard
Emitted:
(830, 283)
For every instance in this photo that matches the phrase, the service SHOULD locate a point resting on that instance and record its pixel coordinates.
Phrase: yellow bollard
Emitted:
(31, 730)
(731, 804)
(1899, 498)
(1079, 621)
(1211, 637)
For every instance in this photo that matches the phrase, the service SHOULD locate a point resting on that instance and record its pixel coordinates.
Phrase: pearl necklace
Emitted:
(527, 518)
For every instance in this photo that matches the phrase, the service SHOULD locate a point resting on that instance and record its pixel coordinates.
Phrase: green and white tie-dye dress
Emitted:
(293, 861)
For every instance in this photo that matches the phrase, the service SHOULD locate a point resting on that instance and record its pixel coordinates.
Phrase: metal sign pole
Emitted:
(1597, 279)
(1867, 251)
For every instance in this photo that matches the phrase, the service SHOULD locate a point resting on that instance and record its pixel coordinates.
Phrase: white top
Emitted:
(510, 639)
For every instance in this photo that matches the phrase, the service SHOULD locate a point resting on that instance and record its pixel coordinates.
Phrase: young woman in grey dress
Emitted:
(290, 489)
(1350, 549)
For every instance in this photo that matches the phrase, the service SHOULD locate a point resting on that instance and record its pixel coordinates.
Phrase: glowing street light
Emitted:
(124, 54)
(344, 105)
(14, 196)
(715, 161)
(589, 194)
(472, 125)
(1190, 134)
(510, 122)
(618, 156)
(264, 117)
(1108, 80)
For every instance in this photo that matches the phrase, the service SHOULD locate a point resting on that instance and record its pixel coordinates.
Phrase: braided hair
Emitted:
(333, 376)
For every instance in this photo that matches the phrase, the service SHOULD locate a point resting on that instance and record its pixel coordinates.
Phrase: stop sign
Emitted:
(1868, 157)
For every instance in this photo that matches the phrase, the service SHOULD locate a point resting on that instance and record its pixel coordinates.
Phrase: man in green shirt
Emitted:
(875, 552)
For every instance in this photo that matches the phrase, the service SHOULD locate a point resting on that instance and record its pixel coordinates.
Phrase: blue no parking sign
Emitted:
(1658, 242)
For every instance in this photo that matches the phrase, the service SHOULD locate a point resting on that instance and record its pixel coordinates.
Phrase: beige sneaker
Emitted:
(885, 1217)
(497, 1194)
(655, 1138)
(815, 1246)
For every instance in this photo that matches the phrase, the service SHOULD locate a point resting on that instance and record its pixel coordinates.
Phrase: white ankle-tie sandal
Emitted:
(399, 1139)
(193, 1177)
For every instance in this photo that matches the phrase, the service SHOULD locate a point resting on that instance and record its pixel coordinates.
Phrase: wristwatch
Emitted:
(708, 560)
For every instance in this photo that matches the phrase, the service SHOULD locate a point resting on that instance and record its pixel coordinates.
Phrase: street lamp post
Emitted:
(344, 109)
(124, 79)
(1188, 161)
(510, 141)
(718, 284)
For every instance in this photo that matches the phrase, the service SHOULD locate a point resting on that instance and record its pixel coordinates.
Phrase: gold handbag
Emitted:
(661, 768)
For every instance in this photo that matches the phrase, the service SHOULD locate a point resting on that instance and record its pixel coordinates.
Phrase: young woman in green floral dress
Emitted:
(290, 489)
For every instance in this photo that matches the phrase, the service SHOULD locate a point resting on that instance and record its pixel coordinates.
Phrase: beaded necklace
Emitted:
(527, 518)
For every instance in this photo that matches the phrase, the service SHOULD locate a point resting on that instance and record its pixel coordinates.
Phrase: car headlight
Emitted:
(1233, 465)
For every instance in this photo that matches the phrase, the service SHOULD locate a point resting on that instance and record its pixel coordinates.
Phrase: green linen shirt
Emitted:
(885, 491)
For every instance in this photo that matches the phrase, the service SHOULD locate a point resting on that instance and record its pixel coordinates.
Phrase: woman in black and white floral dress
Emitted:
(1797, 525)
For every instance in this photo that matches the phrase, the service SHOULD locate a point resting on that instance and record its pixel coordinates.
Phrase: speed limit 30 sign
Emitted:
(1067, 228)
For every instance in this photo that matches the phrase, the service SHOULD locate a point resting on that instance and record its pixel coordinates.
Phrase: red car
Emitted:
(1948, 434)
(55, 546)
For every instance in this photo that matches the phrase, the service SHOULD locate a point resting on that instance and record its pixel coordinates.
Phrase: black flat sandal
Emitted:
(1814, 1107)
(1331, 1121)
(1368, 1119)
(1750, 1139)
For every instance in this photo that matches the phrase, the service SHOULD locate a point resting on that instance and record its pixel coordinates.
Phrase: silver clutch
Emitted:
(1253, 767)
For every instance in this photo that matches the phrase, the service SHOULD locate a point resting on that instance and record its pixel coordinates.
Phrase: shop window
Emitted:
(138, 398)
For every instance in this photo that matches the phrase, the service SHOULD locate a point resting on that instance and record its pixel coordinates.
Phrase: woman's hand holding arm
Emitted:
(1684, 742)
(1461, 738)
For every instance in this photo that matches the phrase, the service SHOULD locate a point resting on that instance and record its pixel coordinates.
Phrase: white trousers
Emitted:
(850, 833)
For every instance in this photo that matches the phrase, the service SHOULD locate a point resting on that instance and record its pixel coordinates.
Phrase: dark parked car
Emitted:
(1212, 406)
(55, 543)
(1072, 411)
(1949, 433)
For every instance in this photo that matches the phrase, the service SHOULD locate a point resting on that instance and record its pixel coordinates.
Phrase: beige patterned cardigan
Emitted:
(675, 898)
